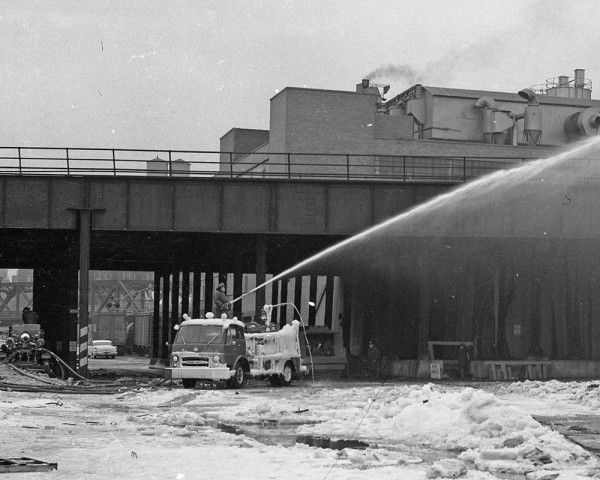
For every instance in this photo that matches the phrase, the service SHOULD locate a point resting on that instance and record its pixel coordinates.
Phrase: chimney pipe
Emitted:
(532, 117)
(529, 95)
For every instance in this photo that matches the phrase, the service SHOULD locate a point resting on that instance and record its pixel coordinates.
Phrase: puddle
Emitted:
(278, 435)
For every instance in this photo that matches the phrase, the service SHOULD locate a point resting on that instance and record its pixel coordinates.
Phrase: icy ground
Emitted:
(413, 431)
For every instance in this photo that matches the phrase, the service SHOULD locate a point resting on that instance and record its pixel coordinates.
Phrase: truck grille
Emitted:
(195, 361)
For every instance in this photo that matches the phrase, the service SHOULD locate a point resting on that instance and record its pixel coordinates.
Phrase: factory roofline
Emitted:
(499, 96)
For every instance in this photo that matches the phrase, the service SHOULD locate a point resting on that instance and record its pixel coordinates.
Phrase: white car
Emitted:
(102, 348)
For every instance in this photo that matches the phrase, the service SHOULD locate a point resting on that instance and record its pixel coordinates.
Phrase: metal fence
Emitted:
(189, 163)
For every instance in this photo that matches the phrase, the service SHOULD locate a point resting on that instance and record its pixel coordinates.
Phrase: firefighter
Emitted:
(29, 316)
(222, 304)
(464, 361)
(373, 360)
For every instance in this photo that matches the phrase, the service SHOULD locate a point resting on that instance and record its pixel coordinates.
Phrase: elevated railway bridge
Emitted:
(64, 212)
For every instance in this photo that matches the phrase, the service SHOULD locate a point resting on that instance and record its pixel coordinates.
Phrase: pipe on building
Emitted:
(532, 128)
(488, 106)
(486, 102)
(529, 95)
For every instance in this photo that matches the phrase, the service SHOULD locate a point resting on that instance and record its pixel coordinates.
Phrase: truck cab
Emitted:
(211, 349)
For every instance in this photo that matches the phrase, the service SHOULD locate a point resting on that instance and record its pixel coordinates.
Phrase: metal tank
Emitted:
(565, 87)
(532, 118)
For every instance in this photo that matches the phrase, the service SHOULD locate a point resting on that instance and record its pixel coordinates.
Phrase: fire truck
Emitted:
(222, 350)
(24, 348)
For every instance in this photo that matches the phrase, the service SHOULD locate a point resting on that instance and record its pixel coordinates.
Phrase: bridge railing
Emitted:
(188, 163)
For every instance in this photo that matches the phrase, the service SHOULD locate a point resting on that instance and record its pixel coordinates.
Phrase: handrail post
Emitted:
(347, 167)
(68, 166)
(20, 163)
(230, 164)
(464, 169)
(404, 168)
(114, 162)
(289, 162)
(170, 165)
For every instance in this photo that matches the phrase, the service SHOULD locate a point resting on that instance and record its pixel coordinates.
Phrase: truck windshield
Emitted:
(198, 334)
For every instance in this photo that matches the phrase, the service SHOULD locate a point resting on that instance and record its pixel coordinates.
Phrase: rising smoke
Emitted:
(401, 73)
(492, 55)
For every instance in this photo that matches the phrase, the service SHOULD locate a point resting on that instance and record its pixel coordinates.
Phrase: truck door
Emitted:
(235, 344)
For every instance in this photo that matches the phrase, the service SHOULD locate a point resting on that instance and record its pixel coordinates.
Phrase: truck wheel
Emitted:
(188, 382)
(237, 381)
(287, 375)
(275, 380)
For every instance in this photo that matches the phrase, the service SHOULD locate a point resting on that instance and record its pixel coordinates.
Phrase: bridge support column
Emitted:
(196, 293)
(238, 277)
(297, 296)
(156, 337)
(423, 332)
(185, 293)
(312, 297)
(164, 319)
(85, 220)
(261, 276)
(208, 292)
(175, 316)
(284, 298)
(274, 301)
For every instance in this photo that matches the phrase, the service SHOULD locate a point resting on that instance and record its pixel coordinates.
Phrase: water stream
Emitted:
(547, 198)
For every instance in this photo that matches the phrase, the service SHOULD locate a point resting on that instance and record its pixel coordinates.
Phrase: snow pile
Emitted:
(491, 434)
(581, 393)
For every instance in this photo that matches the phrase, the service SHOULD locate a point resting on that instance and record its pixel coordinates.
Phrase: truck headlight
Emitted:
(216, 359)
(174, 358)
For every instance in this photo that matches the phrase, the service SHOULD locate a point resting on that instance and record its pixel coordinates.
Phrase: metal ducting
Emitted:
(488, 106)
(486, 102)
(583, 124)
(532, 117)
(494, 122)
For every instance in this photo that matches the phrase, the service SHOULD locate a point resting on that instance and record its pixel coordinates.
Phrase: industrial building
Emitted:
(506, 268)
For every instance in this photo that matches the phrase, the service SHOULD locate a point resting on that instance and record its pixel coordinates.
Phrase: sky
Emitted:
(178, 75)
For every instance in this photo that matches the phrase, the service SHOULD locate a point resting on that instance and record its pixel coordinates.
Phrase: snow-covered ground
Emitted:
(414, 431)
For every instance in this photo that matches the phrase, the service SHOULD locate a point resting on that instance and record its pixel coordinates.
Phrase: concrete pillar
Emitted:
(156, 316)
(284, 298)
(297, 296)
(238, 277)
(329, 301)
(261, 276)
(208, 292)
(164, 319)
(196, 293)
(312, 297)
(85, 226)
(423, 332)
(175, 316)
(274, 301)
(185, 293)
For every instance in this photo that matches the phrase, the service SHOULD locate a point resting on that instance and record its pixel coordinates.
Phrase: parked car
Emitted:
(102, 348)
